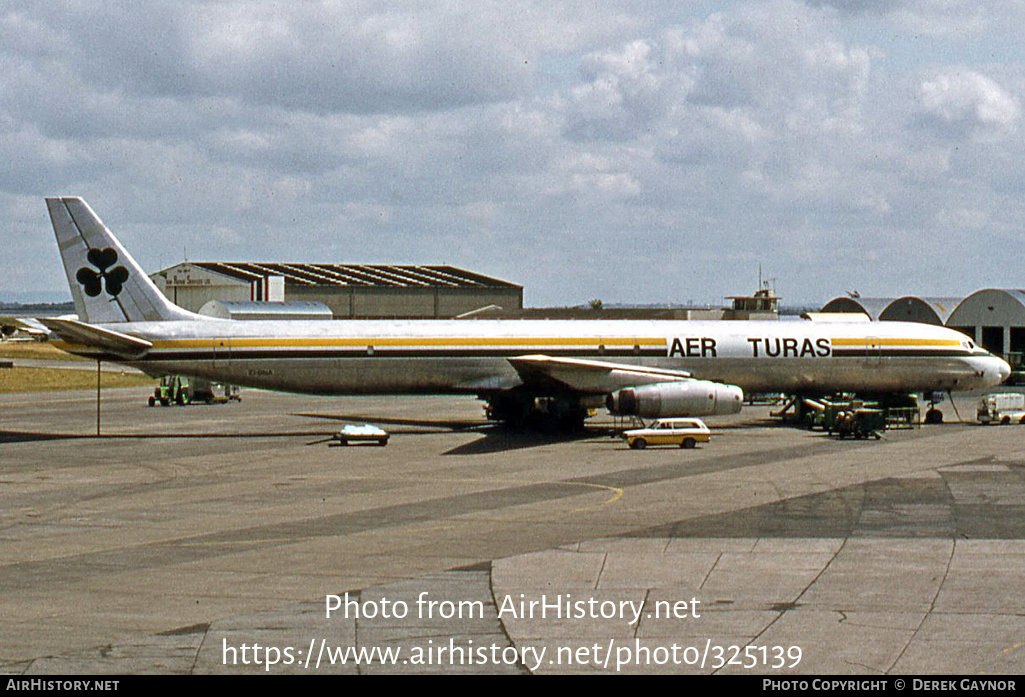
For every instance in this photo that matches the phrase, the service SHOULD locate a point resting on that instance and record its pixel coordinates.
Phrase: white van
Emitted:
(1003, 408)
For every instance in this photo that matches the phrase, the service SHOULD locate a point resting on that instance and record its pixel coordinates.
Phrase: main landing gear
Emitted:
(546, 414)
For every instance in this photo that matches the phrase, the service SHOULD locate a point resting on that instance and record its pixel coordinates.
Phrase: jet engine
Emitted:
(682, 398)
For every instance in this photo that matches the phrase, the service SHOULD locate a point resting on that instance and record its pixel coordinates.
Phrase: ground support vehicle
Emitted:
(183, 390)
(214, 392)
(359, 433)
(837, 414)
(1003, 408)
(860, 423)
(685, 433)
(173, 389)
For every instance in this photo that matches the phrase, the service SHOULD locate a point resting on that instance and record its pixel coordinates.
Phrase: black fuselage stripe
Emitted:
(901, 353)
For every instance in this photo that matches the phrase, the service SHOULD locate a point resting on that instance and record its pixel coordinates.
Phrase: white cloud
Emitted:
(967, 100)
(503, 135)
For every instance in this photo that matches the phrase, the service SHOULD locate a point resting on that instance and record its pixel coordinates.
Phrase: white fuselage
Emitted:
(470, 356)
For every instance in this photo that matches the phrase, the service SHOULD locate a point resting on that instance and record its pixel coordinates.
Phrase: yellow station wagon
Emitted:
(685, 433)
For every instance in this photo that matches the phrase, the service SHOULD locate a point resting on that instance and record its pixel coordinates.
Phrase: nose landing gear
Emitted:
(934, 415)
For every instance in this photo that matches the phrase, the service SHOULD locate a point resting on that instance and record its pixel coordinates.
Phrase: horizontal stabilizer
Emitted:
(591, 376)
(26, 325)
(76, 332)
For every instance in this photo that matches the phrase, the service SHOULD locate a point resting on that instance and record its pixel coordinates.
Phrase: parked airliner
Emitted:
(560, 369)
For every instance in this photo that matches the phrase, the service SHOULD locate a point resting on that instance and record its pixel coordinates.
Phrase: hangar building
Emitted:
(994, 317)
(924, 310)
(872, 307)
(352, 291)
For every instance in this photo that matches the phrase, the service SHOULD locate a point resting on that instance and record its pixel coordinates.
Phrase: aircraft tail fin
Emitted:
(107, 285)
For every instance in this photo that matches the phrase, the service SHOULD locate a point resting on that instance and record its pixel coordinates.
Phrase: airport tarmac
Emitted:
(184, 537)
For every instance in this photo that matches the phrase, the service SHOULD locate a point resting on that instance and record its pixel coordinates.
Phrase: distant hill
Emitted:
(36, 309)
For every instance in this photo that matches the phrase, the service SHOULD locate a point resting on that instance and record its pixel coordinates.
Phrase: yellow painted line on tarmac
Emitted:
(616, 491)
(1013, 647)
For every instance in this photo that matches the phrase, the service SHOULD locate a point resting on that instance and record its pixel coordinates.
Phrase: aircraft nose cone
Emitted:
(1004, 369)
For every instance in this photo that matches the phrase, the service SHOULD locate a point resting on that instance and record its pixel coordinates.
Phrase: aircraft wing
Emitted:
(76, 332)
(589, 376)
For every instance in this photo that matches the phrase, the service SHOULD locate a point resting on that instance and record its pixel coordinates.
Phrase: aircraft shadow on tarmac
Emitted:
(494, 437)
(29, 437)
(7, 437)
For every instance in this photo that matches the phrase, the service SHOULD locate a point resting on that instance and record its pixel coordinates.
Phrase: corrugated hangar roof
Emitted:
(991, 306)
(381, 275)
(920, 309)
(869, 306)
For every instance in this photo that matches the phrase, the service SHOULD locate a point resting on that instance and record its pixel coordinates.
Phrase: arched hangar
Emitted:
(873, 307)
(995, 318)
(912, 308)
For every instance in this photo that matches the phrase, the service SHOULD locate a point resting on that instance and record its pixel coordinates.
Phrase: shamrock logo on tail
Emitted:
(94, 282)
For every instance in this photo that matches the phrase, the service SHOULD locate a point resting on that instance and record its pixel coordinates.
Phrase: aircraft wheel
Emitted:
(572, 421)
(934, 416)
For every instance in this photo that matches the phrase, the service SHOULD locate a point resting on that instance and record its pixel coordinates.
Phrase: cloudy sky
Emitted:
(635, 152)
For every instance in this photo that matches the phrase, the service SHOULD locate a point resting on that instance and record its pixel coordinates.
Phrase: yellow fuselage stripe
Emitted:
(912, 343)
(412, 341)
